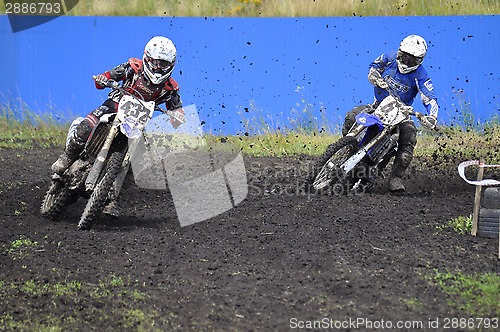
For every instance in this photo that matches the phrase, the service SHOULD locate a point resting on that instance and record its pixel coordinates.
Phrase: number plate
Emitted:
(130, 107)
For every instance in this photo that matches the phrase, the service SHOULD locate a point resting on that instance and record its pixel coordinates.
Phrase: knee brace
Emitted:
(82, 132)
(407, 137)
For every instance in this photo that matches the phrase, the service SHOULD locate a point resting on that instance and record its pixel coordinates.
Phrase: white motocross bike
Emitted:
(105, 158)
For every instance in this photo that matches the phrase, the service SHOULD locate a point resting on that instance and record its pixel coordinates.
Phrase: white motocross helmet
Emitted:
(159, 59)
(411, 53)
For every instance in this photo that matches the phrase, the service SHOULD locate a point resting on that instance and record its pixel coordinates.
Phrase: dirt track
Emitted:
(277, 258)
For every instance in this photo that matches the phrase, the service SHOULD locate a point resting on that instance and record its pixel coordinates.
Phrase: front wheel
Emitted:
(101, 191)
(326, 170)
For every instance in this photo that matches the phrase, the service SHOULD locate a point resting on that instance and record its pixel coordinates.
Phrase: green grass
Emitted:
(37, 289)
(475, 295)
(22, 128)
(282, 8)
(278, 144)
(22, 248)
(461, 224)
(32, 303)
(432, 150)
(125, 305)
(413, 304)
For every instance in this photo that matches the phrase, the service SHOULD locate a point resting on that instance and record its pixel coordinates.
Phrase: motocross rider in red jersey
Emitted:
(149, 78)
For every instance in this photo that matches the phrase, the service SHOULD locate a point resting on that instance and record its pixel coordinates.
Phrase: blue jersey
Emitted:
(407, 86)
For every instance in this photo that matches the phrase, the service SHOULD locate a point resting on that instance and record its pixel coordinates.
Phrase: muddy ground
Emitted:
(279, 260)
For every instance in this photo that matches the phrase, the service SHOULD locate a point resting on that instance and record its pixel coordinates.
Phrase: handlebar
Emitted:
(409, 109)
(422, 118)
(109, 83)
(424, 121)
(116, 85)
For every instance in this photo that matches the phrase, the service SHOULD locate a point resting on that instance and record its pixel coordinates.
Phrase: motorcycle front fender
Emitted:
(368, 120)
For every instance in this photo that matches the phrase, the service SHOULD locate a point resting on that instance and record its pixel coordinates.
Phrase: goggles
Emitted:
(408, 59)
(159, 66)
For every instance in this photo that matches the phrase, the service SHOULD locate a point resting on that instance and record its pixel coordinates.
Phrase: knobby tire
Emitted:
(344, 142)
(101, 191)
(55, 200)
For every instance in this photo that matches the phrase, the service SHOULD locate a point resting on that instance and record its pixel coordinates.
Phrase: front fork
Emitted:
(98, 165)
(120, 178)
(356, 130)
(350, 163)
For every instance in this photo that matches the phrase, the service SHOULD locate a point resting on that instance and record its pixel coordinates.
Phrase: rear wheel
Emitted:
(56, 199)
(101, 191)
(326, 171)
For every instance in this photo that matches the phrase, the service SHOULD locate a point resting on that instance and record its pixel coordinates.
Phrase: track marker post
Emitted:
(477, 199)
(479, 184)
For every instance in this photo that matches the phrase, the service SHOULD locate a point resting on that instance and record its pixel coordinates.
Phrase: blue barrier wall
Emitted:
(252, 68)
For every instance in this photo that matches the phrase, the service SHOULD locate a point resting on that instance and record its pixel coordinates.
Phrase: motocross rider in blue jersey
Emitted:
(403, 74)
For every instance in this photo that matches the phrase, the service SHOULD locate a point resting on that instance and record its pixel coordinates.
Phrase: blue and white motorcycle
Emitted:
(352, 164)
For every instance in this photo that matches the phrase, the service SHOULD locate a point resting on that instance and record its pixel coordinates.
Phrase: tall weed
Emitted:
(22, 128)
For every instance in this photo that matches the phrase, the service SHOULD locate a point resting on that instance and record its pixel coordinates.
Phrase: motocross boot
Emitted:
(401, 163)
(404, 155)
(78, 133)
(396, 184)
(70, 154)
(111, 207)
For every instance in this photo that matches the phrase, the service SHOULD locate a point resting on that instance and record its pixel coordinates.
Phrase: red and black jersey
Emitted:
(135, 82)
